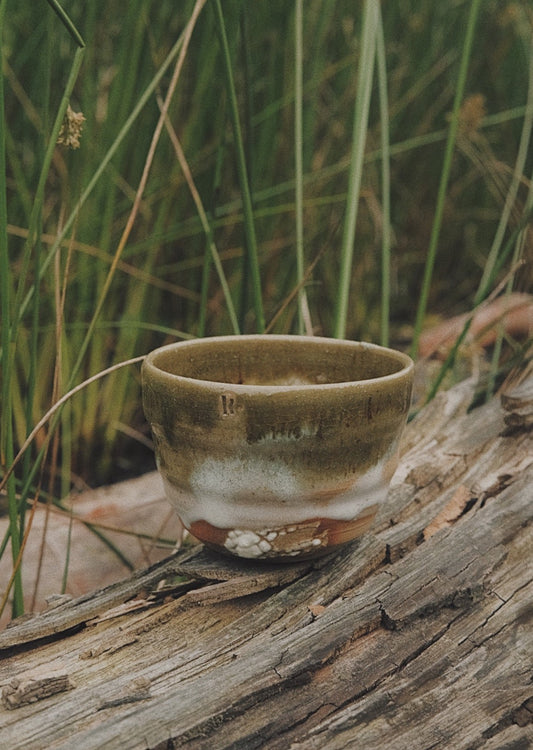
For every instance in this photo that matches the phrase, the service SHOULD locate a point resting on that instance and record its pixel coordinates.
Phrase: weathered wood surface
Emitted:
(132, 516)
(420, 636)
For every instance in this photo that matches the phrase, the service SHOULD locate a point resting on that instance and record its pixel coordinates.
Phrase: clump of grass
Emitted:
(288, 167)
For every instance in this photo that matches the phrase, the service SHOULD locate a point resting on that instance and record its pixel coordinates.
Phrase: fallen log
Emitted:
(417, 636)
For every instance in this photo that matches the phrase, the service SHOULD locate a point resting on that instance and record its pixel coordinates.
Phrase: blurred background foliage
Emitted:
(156, 293)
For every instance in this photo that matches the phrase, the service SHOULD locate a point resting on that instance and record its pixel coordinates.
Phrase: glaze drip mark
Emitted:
(227, 401)
(291, 541)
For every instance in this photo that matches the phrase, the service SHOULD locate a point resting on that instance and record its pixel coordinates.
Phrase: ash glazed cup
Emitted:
(276, 447)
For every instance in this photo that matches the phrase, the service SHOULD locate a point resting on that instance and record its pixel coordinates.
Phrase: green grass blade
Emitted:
(249, 225)
(20, 304)
(385, 183)
(510, 199)
(85, 343)
(482, 293)
(5, 276)
(298, 158)
(6, 431)
(245, 62)
(523, 149)
(206, 226)
(498, 255)
(204, 285)
(360, 127)
(14, 318)
(20, 309)
(445, 174)
(65, 20)
(104, 163)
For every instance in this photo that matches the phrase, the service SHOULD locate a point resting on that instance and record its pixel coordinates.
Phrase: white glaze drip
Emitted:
(272, 492)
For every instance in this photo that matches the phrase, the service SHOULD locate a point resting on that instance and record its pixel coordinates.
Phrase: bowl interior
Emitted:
(278, 360)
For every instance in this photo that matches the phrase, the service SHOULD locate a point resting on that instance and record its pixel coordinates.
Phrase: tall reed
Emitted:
(303, 170)
(12, 316)
(360, 128)
(445, 173)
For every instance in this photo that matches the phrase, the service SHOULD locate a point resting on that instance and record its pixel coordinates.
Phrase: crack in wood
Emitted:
(522, 716)
(528, 613)
(137, 690)
(397, 642)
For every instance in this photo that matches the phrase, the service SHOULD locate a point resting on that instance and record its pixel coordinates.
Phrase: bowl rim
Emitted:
(406, 371)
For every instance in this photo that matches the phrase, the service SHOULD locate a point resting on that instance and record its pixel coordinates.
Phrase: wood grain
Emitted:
(407, 639)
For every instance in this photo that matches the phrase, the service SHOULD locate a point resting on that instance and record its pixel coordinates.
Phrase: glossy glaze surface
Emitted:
(274, 447)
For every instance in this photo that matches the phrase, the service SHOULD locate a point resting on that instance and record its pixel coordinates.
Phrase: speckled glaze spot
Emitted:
(311, 538)
(292, 541)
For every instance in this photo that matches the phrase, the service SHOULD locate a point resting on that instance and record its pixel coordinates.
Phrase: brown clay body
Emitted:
(276, 447)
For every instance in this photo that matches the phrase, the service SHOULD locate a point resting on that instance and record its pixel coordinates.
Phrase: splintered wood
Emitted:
(451, 511)
(33, 687)
(418, 636)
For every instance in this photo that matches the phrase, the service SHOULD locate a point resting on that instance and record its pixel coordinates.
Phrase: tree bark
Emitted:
(417, 636)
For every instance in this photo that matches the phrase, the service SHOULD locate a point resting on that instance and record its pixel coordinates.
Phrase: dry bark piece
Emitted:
(397, 641)
(33, 687)
(514, 312)
(518, 404)
(451, 512)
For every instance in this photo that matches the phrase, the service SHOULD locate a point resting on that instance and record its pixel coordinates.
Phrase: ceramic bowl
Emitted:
(276, 447)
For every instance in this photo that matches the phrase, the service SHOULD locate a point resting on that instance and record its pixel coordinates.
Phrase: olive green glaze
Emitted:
(258, 434)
